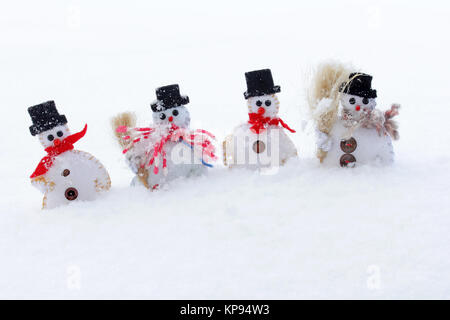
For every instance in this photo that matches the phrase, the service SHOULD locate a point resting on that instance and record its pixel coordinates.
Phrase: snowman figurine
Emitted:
(168, 149)
(260, 142)
(65, 174)
(361, 133)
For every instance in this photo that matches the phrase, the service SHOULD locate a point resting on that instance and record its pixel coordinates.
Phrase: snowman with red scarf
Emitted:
(260, 142)
(64, 174)
(168, 149)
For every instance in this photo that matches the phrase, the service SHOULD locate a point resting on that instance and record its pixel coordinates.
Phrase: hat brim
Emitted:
(157, 105)
(258, 93)
(370, 94)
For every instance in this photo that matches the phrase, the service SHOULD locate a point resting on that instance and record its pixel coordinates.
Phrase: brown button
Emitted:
(65, 173)
(349, 145)
(347, 160)
(259, 146)
(71, 194)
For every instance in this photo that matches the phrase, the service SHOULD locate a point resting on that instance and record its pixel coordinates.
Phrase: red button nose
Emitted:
(57, 142)
(358, 108)
(170, 119)
(261, 110)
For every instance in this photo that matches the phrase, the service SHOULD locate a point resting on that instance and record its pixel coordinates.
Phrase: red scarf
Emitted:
(56, 150)
(259, 122)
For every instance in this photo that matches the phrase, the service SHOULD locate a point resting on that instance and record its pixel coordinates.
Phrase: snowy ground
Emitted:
(306, 232)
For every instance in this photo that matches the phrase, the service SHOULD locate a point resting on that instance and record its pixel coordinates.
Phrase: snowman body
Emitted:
(74, 176)
(182, 162)
(363, 146)
(248, 149)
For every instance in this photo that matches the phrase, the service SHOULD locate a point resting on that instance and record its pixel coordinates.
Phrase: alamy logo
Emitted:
(261, 150)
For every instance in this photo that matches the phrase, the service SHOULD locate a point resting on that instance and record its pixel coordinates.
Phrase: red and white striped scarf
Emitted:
(199, 140)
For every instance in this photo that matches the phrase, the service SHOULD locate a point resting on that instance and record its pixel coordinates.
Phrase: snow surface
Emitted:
(305, 232)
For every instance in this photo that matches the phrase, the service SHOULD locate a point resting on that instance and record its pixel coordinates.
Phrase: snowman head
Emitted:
(357, 98)
(266, 105)
(54, 136)
(261, 93)
(50, 126)
(178, 116)
(353, 107)
(169, 107)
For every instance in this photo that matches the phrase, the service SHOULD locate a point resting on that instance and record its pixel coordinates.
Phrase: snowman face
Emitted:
(267, 105)
(59, 133)
(356, 107)
(178, 116)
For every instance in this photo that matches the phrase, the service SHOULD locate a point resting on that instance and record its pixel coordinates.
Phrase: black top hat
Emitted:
(359, 84)
(168, 97)
(45, 117)
(259, 83)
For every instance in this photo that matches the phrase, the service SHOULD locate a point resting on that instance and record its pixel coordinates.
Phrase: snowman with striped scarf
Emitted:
(261, 142)
(168, 149)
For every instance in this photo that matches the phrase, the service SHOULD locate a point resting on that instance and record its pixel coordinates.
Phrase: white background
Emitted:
(306, 232)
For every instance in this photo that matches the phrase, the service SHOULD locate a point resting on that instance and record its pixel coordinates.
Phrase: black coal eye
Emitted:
(365, 101)
(162, 116)
(59, 134)
(50, 137)
(259, 103)
(268, 102)
(175, 112)
(352, 100)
